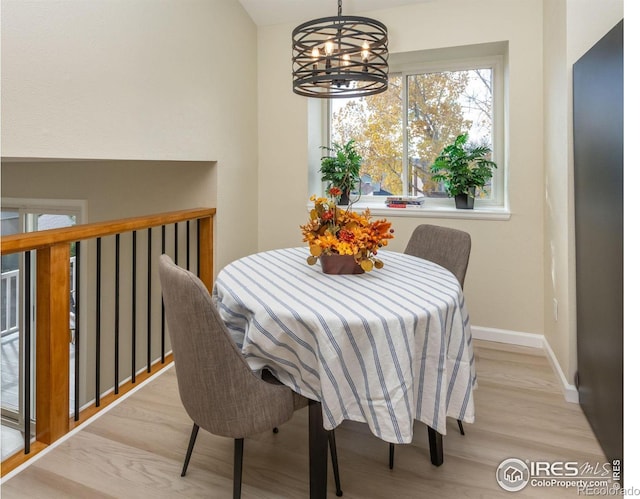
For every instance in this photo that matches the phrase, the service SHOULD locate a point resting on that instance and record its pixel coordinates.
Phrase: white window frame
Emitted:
(25, 207)
(74, 207)
(440, 60)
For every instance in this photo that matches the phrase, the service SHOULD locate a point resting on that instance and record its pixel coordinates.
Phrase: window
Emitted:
(401, 131)
(18, 216)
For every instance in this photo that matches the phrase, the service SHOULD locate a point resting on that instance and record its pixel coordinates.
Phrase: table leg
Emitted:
(435, 447)
(318, 439)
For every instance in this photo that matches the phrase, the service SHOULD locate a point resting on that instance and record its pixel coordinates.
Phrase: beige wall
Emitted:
(571, 28)
(138, 107)
(504, 285)
(113, 189)
(135, 80)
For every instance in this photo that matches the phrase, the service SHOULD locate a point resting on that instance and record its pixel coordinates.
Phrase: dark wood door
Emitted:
(598, 160)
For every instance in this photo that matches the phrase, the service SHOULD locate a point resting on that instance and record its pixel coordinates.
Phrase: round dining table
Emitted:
(385, 347)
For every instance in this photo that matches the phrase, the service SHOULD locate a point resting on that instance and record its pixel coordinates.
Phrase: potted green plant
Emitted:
(463, 169)
(341, 170)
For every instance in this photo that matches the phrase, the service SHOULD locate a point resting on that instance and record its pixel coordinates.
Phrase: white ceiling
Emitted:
(266, 12)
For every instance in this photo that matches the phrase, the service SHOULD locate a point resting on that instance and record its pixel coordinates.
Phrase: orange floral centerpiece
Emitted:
(334, 231)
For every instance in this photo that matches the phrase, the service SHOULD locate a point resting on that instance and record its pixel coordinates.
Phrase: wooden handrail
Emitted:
(41, 239)
(52, 248)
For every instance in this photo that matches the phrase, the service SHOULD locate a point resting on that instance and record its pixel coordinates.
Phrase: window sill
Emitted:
(478, 213)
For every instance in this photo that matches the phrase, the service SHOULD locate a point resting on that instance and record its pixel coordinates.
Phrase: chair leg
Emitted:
(237, 467)
(392, 449)
(334, 462)
(192, 441)
(460, 427)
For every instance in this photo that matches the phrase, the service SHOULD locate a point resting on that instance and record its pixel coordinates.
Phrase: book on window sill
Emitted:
(396, 204)
(405, 200)
(410, 205)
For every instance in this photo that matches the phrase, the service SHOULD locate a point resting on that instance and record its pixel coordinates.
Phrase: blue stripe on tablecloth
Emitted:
(423, 367)
(229, 311)
(456, 367)
(467, 396)
(235, 321)
(239, 329)
(442, 359)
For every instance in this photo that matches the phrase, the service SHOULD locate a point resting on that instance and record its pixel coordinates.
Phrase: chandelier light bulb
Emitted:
(365, 51)
(328, 47)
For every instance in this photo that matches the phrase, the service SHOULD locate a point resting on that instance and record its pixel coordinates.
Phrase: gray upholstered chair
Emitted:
(449, 248)
(217, 387)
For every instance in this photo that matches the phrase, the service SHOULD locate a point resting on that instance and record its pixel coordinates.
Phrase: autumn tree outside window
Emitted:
(400, 132)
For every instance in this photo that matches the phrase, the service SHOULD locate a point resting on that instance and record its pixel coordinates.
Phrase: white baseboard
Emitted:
(506, 336)
(529, 340)
(570, 391)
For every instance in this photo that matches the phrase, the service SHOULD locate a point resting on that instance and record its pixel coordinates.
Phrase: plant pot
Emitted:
(340, 264)
(465, 201)
(343, 201)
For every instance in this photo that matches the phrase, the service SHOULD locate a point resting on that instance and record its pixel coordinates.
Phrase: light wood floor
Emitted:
(137, 449)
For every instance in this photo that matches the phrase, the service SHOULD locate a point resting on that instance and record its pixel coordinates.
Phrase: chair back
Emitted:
(449, 248)
(217, 387)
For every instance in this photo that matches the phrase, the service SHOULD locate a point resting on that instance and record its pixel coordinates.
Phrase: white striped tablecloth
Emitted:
(385, 347)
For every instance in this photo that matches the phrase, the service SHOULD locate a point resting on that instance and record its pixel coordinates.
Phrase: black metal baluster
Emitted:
(116, 353)
(175, 243)
(133, 305)
(27, 352)
(162, 301)
(98, 279)
(76, 345)
(149, 300)
(188, 246)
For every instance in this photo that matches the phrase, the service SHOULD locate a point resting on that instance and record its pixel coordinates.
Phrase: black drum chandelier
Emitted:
(341, 56)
